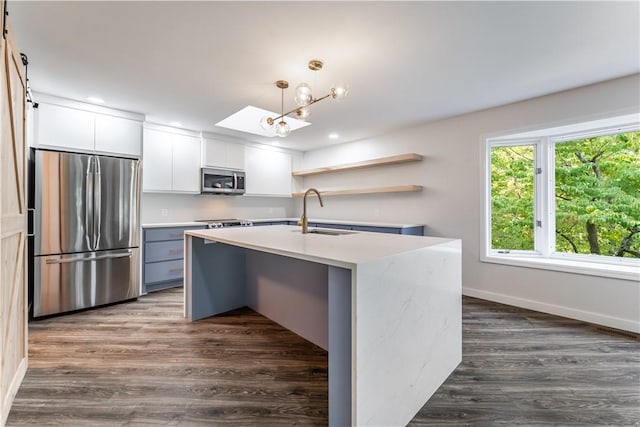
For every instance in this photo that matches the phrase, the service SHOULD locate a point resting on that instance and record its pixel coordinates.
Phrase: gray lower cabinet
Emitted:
(414, 231)
(259, 223)
(163, 257)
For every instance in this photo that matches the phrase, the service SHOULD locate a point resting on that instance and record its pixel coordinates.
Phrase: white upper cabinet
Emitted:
(69, 126)
(171, 162)
(268, 172)
(157, 161)
(186, 164)
(118, 135)
(235, 156)
(215, 153)
(221, 154)
(62, 127)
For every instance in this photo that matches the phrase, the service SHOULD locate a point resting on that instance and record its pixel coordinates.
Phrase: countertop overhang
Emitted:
(345, 250)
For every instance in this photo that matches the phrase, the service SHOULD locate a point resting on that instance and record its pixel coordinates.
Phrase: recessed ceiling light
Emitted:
(176, 124)
(95, 99)
(334, 136)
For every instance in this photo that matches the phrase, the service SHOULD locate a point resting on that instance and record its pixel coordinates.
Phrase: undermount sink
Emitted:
(327, 232)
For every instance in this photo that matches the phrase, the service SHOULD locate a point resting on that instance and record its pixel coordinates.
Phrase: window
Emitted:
(565, 201)
(512, 201)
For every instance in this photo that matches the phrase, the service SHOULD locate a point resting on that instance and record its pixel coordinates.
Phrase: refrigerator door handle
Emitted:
(85, 259)
(88, 212)
(97, 217)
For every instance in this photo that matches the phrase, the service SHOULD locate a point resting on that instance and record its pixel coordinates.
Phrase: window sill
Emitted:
(624, 272)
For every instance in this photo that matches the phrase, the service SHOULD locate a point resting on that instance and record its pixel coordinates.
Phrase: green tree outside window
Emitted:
(598, 195)
(512, 215)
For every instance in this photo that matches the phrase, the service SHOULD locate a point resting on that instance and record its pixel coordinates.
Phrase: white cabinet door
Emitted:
(63, 127)
(215, 153)
(226, 155)
(235, 156)
(157, 161)
(268, 172)
(118, 135)
(186, 164)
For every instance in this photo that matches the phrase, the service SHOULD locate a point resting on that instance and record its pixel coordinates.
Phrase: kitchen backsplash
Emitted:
(156, 208)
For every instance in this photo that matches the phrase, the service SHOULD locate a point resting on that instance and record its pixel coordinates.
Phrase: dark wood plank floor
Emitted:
(141, 363)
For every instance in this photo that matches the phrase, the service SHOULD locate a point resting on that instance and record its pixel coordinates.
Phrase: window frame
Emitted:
(544, 255)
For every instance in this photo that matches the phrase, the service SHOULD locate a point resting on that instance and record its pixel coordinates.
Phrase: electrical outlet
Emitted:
(164, 212)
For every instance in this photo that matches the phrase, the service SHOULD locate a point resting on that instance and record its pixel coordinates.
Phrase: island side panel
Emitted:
(214, 278)
(341, 398)
(409, 331)
(186, 269)
(291, 292)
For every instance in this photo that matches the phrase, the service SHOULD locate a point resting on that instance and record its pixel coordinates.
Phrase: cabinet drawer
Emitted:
(327, 225)
(163, 251)
(390, 230)
(257, 224)
(163, 271)
(170, 233)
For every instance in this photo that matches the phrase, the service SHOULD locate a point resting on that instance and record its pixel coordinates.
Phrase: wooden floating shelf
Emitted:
(391, 160)
(374, 190)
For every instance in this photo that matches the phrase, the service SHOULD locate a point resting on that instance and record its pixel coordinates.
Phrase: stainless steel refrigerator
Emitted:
(86, 231)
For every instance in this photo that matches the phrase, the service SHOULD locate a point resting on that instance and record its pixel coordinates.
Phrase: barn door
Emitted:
(13, 224)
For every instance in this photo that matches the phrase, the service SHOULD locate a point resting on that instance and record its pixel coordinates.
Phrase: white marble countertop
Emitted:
(346, 250)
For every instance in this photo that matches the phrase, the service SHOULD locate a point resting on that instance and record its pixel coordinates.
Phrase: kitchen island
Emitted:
(386, 307)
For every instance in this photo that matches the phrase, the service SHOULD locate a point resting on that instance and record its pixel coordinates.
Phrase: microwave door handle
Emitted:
(235, 181)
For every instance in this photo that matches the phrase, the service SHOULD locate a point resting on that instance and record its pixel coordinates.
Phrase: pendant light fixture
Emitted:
(304, 99)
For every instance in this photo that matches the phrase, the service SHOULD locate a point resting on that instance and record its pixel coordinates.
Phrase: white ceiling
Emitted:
(405, 62)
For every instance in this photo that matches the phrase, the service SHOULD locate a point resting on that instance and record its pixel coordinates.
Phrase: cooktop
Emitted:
(226, 222)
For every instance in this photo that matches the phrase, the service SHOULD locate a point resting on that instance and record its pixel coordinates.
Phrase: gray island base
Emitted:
(387, 308)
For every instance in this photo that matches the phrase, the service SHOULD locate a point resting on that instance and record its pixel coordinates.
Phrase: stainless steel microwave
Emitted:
(221, 181)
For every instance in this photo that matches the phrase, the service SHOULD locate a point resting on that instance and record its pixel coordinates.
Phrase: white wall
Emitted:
(451, 200)
(189, 207)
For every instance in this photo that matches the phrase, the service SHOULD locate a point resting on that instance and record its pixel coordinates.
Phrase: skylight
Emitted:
(248, 120)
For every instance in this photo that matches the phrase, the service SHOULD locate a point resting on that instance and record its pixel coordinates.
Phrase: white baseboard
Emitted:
(558, 310)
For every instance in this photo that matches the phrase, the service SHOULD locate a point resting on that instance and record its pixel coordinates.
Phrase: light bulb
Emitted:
(264, 122)
(340, 92)
(282, 129)
(303, 95)
(303, 113)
